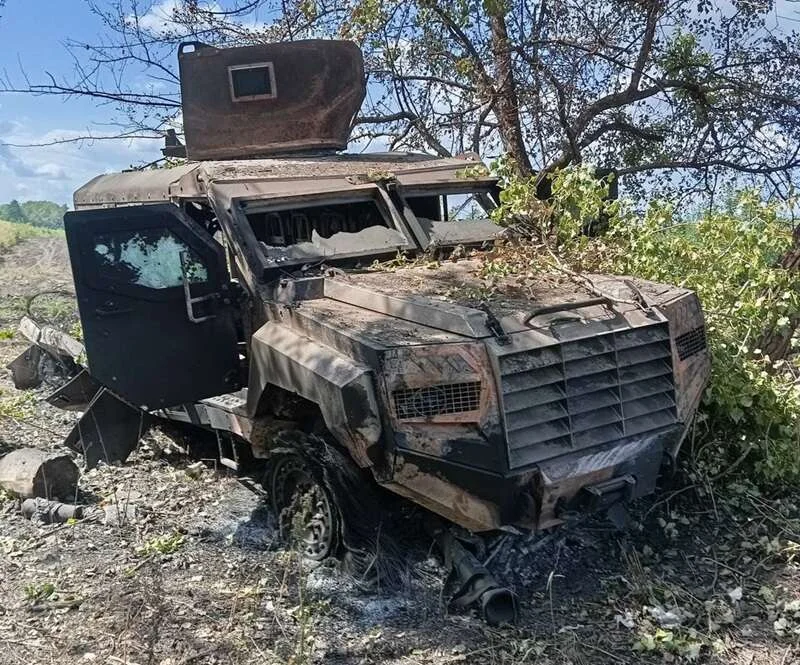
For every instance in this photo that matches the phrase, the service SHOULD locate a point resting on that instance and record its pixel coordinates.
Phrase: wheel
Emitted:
(306, 513)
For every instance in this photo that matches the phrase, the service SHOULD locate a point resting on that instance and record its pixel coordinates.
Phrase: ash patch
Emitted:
(576, 556)
(240, 517)
(419, 596)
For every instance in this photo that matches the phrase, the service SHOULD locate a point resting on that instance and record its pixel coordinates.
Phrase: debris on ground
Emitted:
(51, 512)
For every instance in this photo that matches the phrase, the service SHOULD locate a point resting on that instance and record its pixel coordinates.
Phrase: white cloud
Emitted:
(161, 17)
(53, 170)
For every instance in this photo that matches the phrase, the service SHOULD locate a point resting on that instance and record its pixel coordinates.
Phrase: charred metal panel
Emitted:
(76, 394)
(153, 287)
(310, 175)
(691, 355)
(632, 464)
(267, 179)
(342, 389)
(291, 291)
(450, 500)
(108, 431)
(453, 233)
(270, 98)
(418, 309)
(25, 368)
(139, 187)
(443, 403)
(359, 333)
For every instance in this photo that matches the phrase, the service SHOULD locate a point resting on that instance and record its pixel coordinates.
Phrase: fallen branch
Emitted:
(587, 283)
(73, 604)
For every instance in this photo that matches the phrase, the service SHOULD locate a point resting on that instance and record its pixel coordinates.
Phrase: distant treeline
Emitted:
(44, 214)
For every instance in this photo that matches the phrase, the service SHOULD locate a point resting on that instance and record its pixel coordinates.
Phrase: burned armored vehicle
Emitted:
(252, 290)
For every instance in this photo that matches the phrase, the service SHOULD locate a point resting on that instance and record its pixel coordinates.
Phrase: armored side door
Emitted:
(156, 304)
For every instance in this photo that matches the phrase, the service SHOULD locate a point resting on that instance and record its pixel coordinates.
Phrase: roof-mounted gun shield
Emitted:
(254, 101)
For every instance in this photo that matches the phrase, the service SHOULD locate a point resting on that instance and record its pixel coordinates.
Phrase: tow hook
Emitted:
(610, 496)
(608, 493)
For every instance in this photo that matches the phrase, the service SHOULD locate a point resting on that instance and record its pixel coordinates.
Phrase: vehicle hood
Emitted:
(453, 301)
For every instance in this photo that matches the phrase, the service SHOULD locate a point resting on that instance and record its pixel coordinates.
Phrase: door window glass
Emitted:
(152, 258)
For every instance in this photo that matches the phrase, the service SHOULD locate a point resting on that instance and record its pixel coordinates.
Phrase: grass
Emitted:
(12, 233)
(39, 591)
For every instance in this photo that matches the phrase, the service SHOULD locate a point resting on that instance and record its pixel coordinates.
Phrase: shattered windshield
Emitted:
(454, 217)
(326, 230)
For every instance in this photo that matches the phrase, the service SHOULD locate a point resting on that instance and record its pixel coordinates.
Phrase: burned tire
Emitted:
(306, 513)
(328, 507)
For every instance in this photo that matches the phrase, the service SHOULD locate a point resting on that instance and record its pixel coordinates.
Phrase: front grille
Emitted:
(438, 400)
(586, 392)
(690, 343)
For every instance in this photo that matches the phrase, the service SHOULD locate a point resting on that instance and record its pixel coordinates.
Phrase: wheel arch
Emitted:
(343, 390)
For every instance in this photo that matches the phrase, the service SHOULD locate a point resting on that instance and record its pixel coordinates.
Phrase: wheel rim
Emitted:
(305, 512)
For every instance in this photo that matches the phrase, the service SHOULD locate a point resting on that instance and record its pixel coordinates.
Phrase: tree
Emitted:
(684, 95)
(44, 213)
(776, 340)
(12, 212)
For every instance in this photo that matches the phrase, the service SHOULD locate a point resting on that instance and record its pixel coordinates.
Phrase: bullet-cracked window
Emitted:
(152, 258)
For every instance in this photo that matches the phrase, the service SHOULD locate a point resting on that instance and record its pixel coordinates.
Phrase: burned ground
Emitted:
(178, 562)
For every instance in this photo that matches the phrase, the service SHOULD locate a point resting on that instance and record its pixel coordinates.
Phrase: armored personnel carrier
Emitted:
(251, 291)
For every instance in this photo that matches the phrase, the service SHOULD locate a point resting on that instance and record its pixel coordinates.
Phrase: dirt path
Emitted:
(179, 564)
(40, 263)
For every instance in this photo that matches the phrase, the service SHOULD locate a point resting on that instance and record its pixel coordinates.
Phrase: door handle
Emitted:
(111, 310)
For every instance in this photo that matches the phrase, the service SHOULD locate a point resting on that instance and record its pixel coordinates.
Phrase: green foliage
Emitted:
(577, 198)
(41, 591)
(12, 212)
(17, 405)
(44, 214)
(163, 545)
(729, 257)
(11, 233)
(684, 56)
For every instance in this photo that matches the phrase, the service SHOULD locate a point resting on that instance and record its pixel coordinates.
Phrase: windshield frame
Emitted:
(244, 206)
(233, 201)
(467, 186)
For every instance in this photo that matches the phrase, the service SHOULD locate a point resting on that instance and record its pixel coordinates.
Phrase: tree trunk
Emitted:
(777, 343)
(506, 101)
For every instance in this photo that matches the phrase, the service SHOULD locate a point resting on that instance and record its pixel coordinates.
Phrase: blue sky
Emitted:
(32, 34)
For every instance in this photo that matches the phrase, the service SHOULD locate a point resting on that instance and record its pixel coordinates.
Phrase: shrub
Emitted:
(12, 233)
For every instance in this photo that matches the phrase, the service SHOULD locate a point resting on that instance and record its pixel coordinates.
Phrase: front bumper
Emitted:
(583, 481)
(594, 480)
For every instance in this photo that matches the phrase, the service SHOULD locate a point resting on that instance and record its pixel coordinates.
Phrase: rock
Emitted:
(194, 471)
(28, 472)
(120, 513)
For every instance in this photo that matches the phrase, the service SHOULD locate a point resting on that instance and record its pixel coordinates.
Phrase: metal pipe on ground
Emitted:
(51, 512)
(477, 586)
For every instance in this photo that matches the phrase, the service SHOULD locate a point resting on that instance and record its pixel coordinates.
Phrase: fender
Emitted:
(343, 390)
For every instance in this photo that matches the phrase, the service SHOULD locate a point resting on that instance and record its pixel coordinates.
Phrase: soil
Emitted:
(178, 562)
